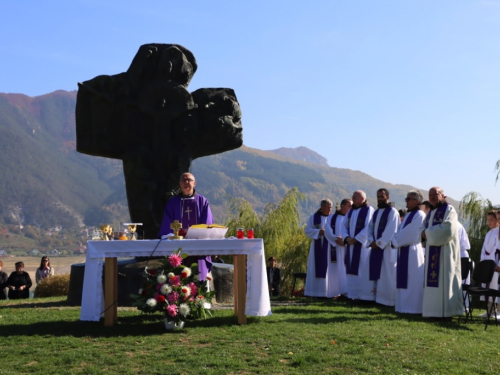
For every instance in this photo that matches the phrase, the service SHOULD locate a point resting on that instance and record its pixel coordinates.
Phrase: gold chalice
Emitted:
(106, 230)
(132, 228)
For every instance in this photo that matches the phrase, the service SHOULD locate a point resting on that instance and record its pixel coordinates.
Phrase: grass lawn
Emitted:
(309, 336)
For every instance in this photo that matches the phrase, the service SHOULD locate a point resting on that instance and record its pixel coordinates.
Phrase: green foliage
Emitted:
(54, 286)
(281, 230)
(475, 208)
(310, 337)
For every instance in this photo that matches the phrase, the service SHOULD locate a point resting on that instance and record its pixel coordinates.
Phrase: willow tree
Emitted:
(474, 208)
(281, 230)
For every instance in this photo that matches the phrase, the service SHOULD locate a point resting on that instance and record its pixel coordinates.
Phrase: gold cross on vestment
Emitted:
(175, 226)
(433, 274)
(188, 211)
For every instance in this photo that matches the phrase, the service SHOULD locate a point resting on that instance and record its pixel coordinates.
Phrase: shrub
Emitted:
(57, 285)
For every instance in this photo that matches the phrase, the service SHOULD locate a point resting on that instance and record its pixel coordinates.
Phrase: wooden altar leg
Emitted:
(110, 291)
(240, 297)
(235, 284)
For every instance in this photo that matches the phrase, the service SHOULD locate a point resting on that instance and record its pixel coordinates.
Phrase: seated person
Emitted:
(189, 208)
(44, 271)
(3, 280)
(273, 277)
(19, 283)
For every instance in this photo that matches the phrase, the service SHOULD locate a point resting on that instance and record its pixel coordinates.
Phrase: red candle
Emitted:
(250, 233)
(240, 233)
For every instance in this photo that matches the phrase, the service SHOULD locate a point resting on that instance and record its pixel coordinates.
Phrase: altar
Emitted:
(251, 296)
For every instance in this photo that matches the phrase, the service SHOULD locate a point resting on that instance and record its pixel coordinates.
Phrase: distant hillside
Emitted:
(46, 183)
(302, 154)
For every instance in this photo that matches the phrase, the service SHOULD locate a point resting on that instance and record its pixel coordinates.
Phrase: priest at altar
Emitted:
(189, 208)
(442, 278)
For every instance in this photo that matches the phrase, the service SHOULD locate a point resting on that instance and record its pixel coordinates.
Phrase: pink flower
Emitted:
(158, 286)
(172, 310)
(175, 260)
(175, 281)
(173, 297)
(194, 289)
(160, 298)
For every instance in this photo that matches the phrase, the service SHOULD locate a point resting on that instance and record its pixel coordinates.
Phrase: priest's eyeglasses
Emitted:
(409, 199)
(187, 180)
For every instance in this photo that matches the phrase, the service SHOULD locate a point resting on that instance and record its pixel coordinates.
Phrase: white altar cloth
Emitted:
(257, 297)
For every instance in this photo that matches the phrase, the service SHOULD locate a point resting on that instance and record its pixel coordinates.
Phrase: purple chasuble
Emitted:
(189, 211)
(434, 251)
(352, 266)
(320, 250)
(377, 255)
(403, 256)
(333, 254)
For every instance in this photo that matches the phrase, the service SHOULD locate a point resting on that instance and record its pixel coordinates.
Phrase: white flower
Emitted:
(151, 302)
(207, 305)
(165, 289)
(186, 272)
(161, 279)
(140, 291)
(170, 275)
(186, 290)
(184, 309)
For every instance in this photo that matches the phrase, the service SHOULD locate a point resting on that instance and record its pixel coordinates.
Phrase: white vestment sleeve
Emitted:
(344, 233)
(409, 235)
(441, 234)
(390, 228)
(310, 230)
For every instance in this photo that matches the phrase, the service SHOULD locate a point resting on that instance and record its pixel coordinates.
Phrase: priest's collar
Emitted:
(416, 208)
(364, 204)
(338, 212)
(187, 196)
(441, 203)
(319, 212)
(383, 205)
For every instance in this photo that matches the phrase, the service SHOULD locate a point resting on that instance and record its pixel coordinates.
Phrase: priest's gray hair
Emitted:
(417, 195)
(326, 202)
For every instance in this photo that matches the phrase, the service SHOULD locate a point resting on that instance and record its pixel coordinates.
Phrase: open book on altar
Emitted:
(205, 232)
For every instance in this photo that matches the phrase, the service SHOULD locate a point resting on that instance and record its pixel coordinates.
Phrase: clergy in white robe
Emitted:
(355, 235)
(491, 250)
(337, 282)
(411, 258)
(319, 271)
(382, 228)
(443, 277)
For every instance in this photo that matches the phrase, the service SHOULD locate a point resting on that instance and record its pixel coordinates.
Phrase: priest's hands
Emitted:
(321, 233)
(424, 237)
(339, 241)
(351, 241)
(374, 245)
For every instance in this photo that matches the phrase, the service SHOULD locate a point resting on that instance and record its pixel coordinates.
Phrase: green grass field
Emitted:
(307, 336)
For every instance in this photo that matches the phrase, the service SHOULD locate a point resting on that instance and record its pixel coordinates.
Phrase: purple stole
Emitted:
(352, 266)
(189, 212)
(320, 250)
(434, 251)
(333, 253)
(377, 255)
(403, 256)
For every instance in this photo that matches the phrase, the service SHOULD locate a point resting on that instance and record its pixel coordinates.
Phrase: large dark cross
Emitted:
(147, 118)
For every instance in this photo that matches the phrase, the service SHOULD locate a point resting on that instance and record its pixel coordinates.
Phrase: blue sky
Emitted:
(413, 86)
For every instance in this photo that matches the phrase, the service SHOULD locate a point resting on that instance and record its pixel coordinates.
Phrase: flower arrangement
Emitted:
(175, 290)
